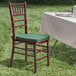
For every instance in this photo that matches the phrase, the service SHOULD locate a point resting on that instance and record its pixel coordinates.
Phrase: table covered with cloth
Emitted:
(60, 28)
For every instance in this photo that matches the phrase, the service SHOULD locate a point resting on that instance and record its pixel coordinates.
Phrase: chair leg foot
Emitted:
(11, 62)
(10, 65)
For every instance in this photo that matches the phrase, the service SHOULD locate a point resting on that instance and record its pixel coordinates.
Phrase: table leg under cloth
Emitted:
(53, 46)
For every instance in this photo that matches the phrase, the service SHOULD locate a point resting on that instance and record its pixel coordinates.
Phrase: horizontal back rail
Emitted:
(18, 14)
(19, 20)
(19, 26)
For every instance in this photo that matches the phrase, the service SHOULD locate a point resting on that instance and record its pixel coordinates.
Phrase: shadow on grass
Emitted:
(65, 53)
(21, 64)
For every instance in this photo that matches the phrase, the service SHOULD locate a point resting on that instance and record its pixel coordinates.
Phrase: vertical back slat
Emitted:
(17, 9)
(22, 9)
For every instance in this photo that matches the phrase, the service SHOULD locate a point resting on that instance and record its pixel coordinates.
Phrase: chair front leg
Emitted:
(48, 53)
(13, 48)
(35, 61)
(26, 52)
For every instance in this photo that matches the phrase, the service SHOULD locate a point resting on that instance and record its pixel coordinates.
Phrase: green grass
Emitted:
(63, 61)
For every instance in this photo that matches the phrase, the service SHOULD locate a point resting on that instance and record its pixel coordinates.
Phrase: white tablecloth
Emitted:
(60, 28)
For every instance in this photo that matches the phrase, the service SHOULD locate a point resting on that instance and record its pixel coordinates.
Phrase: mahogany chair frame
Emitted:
(15, 10)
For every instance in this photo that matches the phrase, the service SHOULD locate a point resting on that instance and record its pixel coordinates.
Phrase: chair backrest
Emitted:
(18, 9)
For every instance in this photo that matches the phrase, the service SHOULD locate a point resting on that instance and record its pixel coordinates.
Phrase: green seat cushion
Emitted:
(32, 37)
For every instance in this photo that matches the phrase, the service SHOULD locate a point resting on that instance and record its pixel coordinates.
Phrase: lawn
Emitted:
(63, 61)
